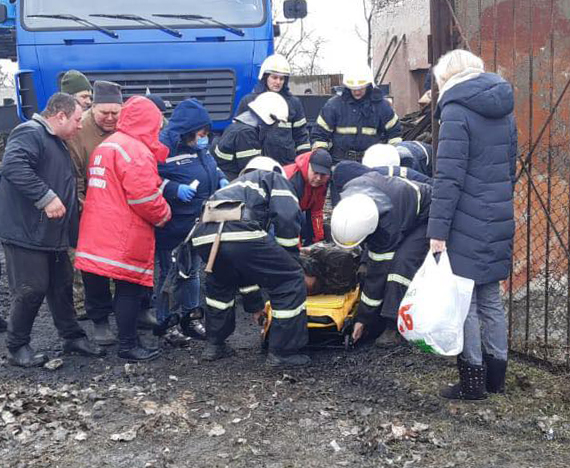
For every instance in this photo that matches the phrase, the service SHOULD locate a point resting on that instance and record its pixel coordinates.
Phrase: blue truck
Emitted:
(207, 49)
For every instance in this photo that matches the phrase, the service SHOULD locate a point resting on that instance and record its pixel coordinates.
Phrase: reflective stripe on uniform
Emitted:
(287, 242)
(370, 302)
(399, 279)
(346, 130)
(395, 141)
(393, 121)
(249, 289)
(219, 304)
(283, 193)
(304, 146)
(419, 194)
(140, 201)
(320, 144)
(390, 171)
(285, 125)
(228, 236)
(381, 257)
(119, 148)
(300, 123)
(287, 313)
(181, 157)
(404, 172)
(166, 217)
(247, 184)
(163, 185)
(424, 150)
(323, 123)
(220, 154)
(108, 261)
(248, 153)
(369, 131)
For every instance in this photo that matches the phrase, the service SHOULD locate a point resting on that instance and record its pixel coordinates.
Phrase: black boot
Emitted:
(139, 354)
(192, 326)
(496, 372)
(471, 384)
(83, 347)
(3, 325)
(390, 337)
(292, 360)
(161, 328)
(102, 333)
(25, 356)
(213, 351)
(147, 319)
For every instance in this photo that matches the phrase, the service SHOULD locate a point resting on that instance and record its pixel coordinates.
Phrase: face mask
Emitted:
(202, 142)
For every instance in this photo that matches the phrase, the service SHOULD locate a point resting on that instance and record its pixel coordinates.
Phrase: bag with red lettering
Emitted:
(434, 309)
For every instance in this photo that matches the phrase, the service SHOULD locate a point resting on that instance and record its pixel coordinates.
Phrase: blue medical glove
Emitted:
(223, 183)
(186, 193)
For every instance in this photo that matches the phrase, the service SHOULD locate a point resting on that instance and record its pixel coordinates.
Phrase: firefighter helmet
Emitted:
(357, 77)
(353, 220)
(263, 163)
(270, 107)
(276, 65)
(380, 154)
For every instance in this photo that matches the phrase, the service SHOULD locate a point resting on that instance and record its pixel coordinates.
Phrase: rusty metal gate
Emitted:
(528, 43)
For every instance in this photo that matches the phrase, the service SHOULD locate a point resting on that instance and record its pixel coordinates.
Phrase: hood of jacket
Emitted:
(487, 94)
(187, 117)
(141, 120)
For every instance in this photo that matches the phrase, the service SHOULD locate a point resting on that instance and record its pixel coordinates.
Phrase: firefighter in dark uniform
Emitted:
(287, 139)
(389, 215)
(355, 120)
(249, 258)
(247, 136)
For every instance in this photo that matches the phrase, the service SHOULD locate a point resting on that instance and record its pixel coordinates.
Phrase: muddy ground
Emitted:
(363, 408)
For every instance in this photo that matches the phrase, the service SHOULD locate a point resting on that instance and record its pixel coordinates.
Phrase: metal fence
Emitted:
(528, 43)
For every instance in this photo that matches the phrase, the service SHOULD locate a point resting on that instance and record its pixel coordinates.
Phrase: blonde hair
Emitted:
(455, 62)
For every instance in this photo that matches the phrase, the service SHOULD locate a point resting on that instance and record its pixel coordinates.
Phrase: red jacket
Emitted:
(124, 198)
(311, 199)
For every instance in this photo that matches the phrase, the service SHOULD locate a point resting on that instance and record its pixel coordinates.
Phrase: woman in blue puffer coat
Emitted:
(471, 214)
(190, 175)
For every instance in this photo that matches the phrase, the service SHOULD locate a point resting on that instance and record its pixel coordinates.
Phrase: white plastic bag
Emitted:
(434, 309)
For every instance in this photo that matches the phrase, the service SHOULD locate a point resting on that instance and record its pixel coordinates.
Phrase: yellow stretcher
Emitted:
(328, 316)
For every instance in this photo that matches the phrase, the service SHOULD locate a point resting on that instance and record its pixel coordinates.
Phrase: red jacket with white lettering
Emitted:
(311, 199)
(124, 199)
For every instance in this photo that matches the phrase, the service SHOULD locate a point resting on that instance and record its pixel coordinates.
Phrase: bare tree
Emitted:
(370, 9)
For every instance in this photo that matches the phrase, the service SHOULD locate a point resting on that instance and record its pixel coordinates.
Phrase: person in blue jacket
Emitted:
(471, 214)
(190, 176)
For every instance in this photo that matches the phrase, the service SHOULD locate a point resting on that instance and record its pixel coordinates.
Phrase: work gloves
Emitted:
(186, 193)
(223, 183)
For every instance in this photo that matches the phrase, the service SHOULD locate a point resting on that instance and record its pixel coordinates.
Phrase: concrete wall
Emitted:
(406, 75)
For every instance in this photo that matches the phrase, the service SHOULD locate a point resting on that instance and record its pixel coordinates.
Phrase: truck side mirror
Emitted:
(295, 9)
(3, 13)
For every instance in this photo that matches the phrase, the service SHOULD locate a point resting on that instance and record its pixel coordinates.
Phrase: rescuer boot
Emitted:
(389, 338)
(102, 333)
(83, 347)
(25, 356)
(292, 360)
(471, 386)
(213, 351)
(192, 326)
(139, 354)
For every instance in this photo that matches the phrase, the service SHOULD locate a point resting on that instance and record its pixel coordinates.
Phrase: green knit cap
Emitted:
(74, 82)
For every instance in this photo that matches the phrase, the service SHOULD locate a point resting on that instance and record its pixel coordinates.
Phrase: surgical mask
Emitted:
(202, 142)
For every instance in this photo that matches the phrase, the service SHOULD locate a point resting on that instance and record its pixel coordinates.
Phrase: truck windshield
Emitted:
(233, 12)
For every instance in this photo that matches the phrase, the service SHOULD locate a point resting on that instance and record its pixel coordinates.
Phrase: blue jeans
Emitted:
(190, 290)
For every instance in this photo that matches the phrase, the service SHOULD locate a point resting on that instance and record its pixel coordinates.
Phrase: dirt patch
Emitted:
(364, 408)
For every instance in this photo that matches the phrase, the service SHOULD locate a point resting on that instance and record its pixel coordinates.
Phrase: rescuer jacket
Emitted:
(311, 199)
(347, 124)
(286, 139)
(270, 205)
(124, 201)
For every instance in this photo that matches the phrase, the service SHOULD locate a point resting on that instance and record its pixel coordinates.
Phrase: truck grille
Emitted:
(213, 88)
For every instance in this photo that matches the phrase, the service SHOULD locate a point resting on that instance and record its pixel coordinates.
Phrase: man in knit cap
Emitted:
(76, 83)
(98, 123)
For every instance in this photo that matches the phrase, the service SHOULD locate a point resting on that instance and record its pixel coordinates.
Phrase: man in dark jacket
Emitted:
(38, 223)
(291, 138)
(310, 176)
(389, 215)
(360, 117)
(248, 257)
(246, 137)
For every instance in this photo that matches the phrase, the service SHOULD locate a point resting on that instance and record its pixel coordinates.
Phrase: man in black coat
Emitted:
(38, 224)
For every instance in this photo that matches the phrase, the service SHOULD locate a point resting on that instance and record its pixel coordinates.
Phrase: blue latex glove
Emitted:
(186, 193)
(223, 183)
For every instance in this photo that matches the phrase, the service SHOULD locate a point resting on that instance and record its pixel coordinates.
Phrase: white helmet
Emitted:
(357, 77)
(270, 107)
(380, 155)
(263, 163)
(275, 64)
(353, 220)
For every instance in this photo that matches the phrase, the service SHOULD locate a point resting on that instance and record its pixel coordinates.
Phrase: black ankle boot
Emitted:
(472, 382)
(192, 326)
(161, 328)
(496, 373)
